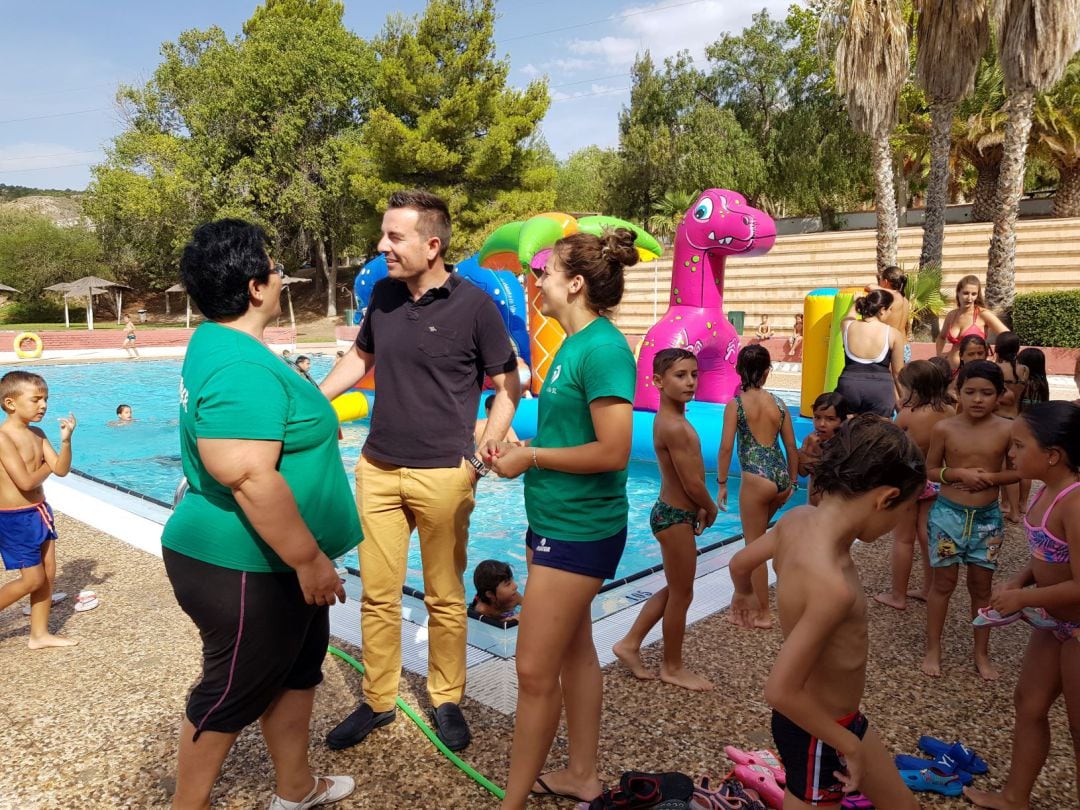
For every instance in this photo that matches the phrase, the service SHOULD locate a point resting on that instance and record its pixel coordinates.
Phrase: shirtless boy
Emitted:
(967, 457)
(684, 509)
(27, 533)
(869, 476)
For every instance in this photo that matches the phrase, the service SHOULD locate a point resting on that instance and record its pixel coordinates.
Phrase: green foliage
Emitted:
(41, 310)
(923, 292)
(1048, 318)
(9, 193)
(668, 212)
(251, 127)
(35, 253)
(444, 119)
(581, 181)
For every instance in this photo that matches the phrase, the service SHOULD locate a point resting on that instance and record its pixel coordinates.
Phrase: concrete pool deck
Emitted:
(94, 726)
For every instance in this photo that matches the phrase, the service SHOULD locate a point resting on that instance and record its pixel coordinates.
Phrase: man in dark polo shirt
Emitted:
(435, 336)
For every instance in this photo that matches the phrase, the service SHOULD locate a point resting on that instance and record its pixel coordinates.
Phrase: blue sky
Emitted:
(62, 61)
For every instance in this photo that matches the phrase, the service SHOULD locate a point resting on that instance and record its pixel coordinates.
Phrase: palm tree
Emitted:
(871, 63)
(979, 134)
(668, 211)
(1036, 39)
(1057, 133)
(951, 38)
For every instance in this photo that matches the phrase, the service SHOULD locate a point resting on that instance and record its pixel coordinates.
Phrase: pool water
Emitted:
(144, 456)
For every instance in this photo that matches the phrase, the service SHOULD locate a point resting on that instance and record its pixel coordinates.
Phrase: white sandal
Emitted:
(338, 788)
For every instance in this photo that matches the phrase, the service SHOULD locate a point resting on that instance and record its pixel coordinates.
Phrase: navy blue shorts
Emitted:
(590, 558)
(811, 763)
(23, 531)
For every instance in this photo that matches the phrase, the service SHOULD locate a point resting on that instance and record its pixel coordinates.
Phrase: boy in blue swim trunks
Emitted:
(27, 533)
(967, 457)
(684, 509)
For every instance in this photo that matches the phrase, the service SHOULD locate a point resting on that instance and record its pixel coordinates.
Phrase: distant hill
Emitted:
(63, 209)
(9, 193)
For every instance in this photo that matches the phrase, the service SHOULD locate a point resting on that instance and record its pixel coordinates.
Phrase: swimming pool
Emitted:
(144, 456)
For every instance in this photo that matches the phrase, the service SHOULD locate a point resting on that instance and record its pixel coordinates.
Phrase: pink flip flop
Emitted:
(856, 801)
(988, 617)
(761, 779)
(764, 758)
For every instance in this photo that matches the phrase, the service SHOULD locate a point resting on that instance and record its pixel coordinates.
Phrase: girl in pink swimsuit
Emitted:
(1046, 447)
(969, 303)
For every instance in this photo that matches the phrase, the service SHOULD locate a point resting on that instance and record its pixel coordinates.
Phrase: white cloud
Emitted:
(593, 90)
(667, 29)
(531, 70)
(571, 65)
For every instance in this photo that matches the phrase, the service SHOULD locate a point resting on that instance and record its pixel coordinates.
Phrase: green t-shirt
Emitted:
(233, 387)
(595, 362)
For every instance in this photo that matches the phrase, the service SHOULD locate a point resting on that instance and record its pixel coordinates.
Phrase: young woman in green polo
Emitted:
(575, 498)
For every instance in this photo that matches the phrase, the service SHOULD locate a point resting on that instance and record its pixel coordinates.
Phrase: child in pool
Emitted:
(925, 403)
(1045, 447)
(768, 478)
(1006, 348)
(869, 476)
(830, 411)
(684, 509)
(967, 456)
(124, 416)
(497, 594)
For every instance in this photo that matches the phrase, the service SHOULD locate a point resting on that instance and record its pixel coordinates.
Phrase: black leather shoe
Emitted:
(450, 726)
(354, 728)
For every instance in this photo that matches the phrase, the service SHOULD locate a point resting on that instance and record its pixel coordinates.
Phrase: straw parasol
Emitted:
(286, 281)
(87, 287)
(179, 288)
(6, 288)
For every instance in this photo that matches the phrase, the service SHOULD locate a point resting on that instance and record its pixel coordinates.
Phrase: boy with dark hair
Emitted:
(497, 595)
(968, 457)
(27, 532)
(684, 510)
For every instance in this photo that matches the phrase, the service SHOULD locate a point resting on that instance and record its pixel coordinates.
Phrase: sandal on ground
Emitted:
(86, 600)
(764, 759)
(59, 596)
(963, 756)
(944, 763)
(338, 788)
(729, 796)
(554, 794)
(929, 780)
(761, 780)
(856, 801)
(638, 790)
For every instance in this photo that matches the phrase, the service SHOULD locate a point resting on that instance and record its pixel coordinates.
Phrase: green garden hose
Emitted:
(477, 777)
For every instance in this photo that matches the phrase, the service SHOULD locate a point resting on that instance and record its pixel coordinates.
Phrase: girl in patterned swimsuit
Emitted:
(768, 478)
(1046, 447)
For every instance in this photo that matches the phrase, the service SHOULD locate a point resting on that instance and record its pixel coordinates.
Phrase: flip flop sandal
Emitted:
(944, 763)
(671, 784)
(59, 596)
(761, 779)
(856, 801)
(988, 617)
(963, 756)
(930, 781)
(1036, 617)
(764, 758)
(87, 600)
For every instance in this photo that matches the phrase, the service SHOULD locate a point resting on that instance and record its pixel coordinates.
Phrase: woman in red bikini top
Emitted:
(970, 310)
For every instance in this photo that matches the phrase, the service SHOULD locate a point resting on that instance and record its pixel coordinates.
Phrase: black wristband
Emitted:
(478, 465)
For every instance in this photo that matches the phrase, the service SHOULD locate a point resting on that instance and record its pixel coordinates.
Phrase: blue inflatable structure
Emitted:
(502, 285)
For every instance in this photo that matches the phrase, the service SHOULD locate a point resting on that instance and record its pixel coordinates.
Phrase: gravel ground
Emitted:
(95, 725)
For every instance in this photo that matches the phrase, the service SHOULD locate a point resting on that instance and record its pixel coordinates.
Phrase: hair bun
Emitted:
(618, 247)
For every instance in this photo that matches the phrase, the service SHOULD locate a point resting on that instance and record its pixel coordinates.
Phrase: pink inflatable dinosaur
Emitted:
(718, 225)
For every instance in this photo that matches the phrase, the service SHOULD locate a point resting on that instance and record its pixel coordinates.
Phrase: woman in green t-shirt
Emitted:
(575, 498)
(248, 548)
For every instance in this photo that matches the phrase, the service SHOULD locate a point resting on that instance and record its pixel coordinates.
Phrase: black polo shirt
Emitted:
(431, 356)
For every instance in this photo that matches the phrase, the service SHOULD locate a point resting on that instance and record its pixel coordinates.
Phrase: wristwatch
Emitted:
(481, 468)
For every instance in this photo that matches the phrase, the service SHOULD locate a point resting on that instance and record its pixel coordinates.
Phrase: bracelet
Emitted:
(942, 476)
(721, 482)
(535, 462)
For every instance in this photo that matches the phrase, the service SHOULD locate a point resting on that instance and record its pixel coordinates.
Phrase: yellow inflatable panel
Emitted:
(350, 406)
(841, 307)
(817, 326)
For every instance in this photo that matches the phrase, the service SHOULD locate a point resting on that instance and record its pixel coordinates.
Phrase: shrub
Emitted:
(39, 311)
(1048, 318)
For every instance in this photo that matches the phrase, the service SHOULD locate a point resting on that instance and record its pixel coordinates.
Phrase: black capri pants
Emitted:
(259, 637)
